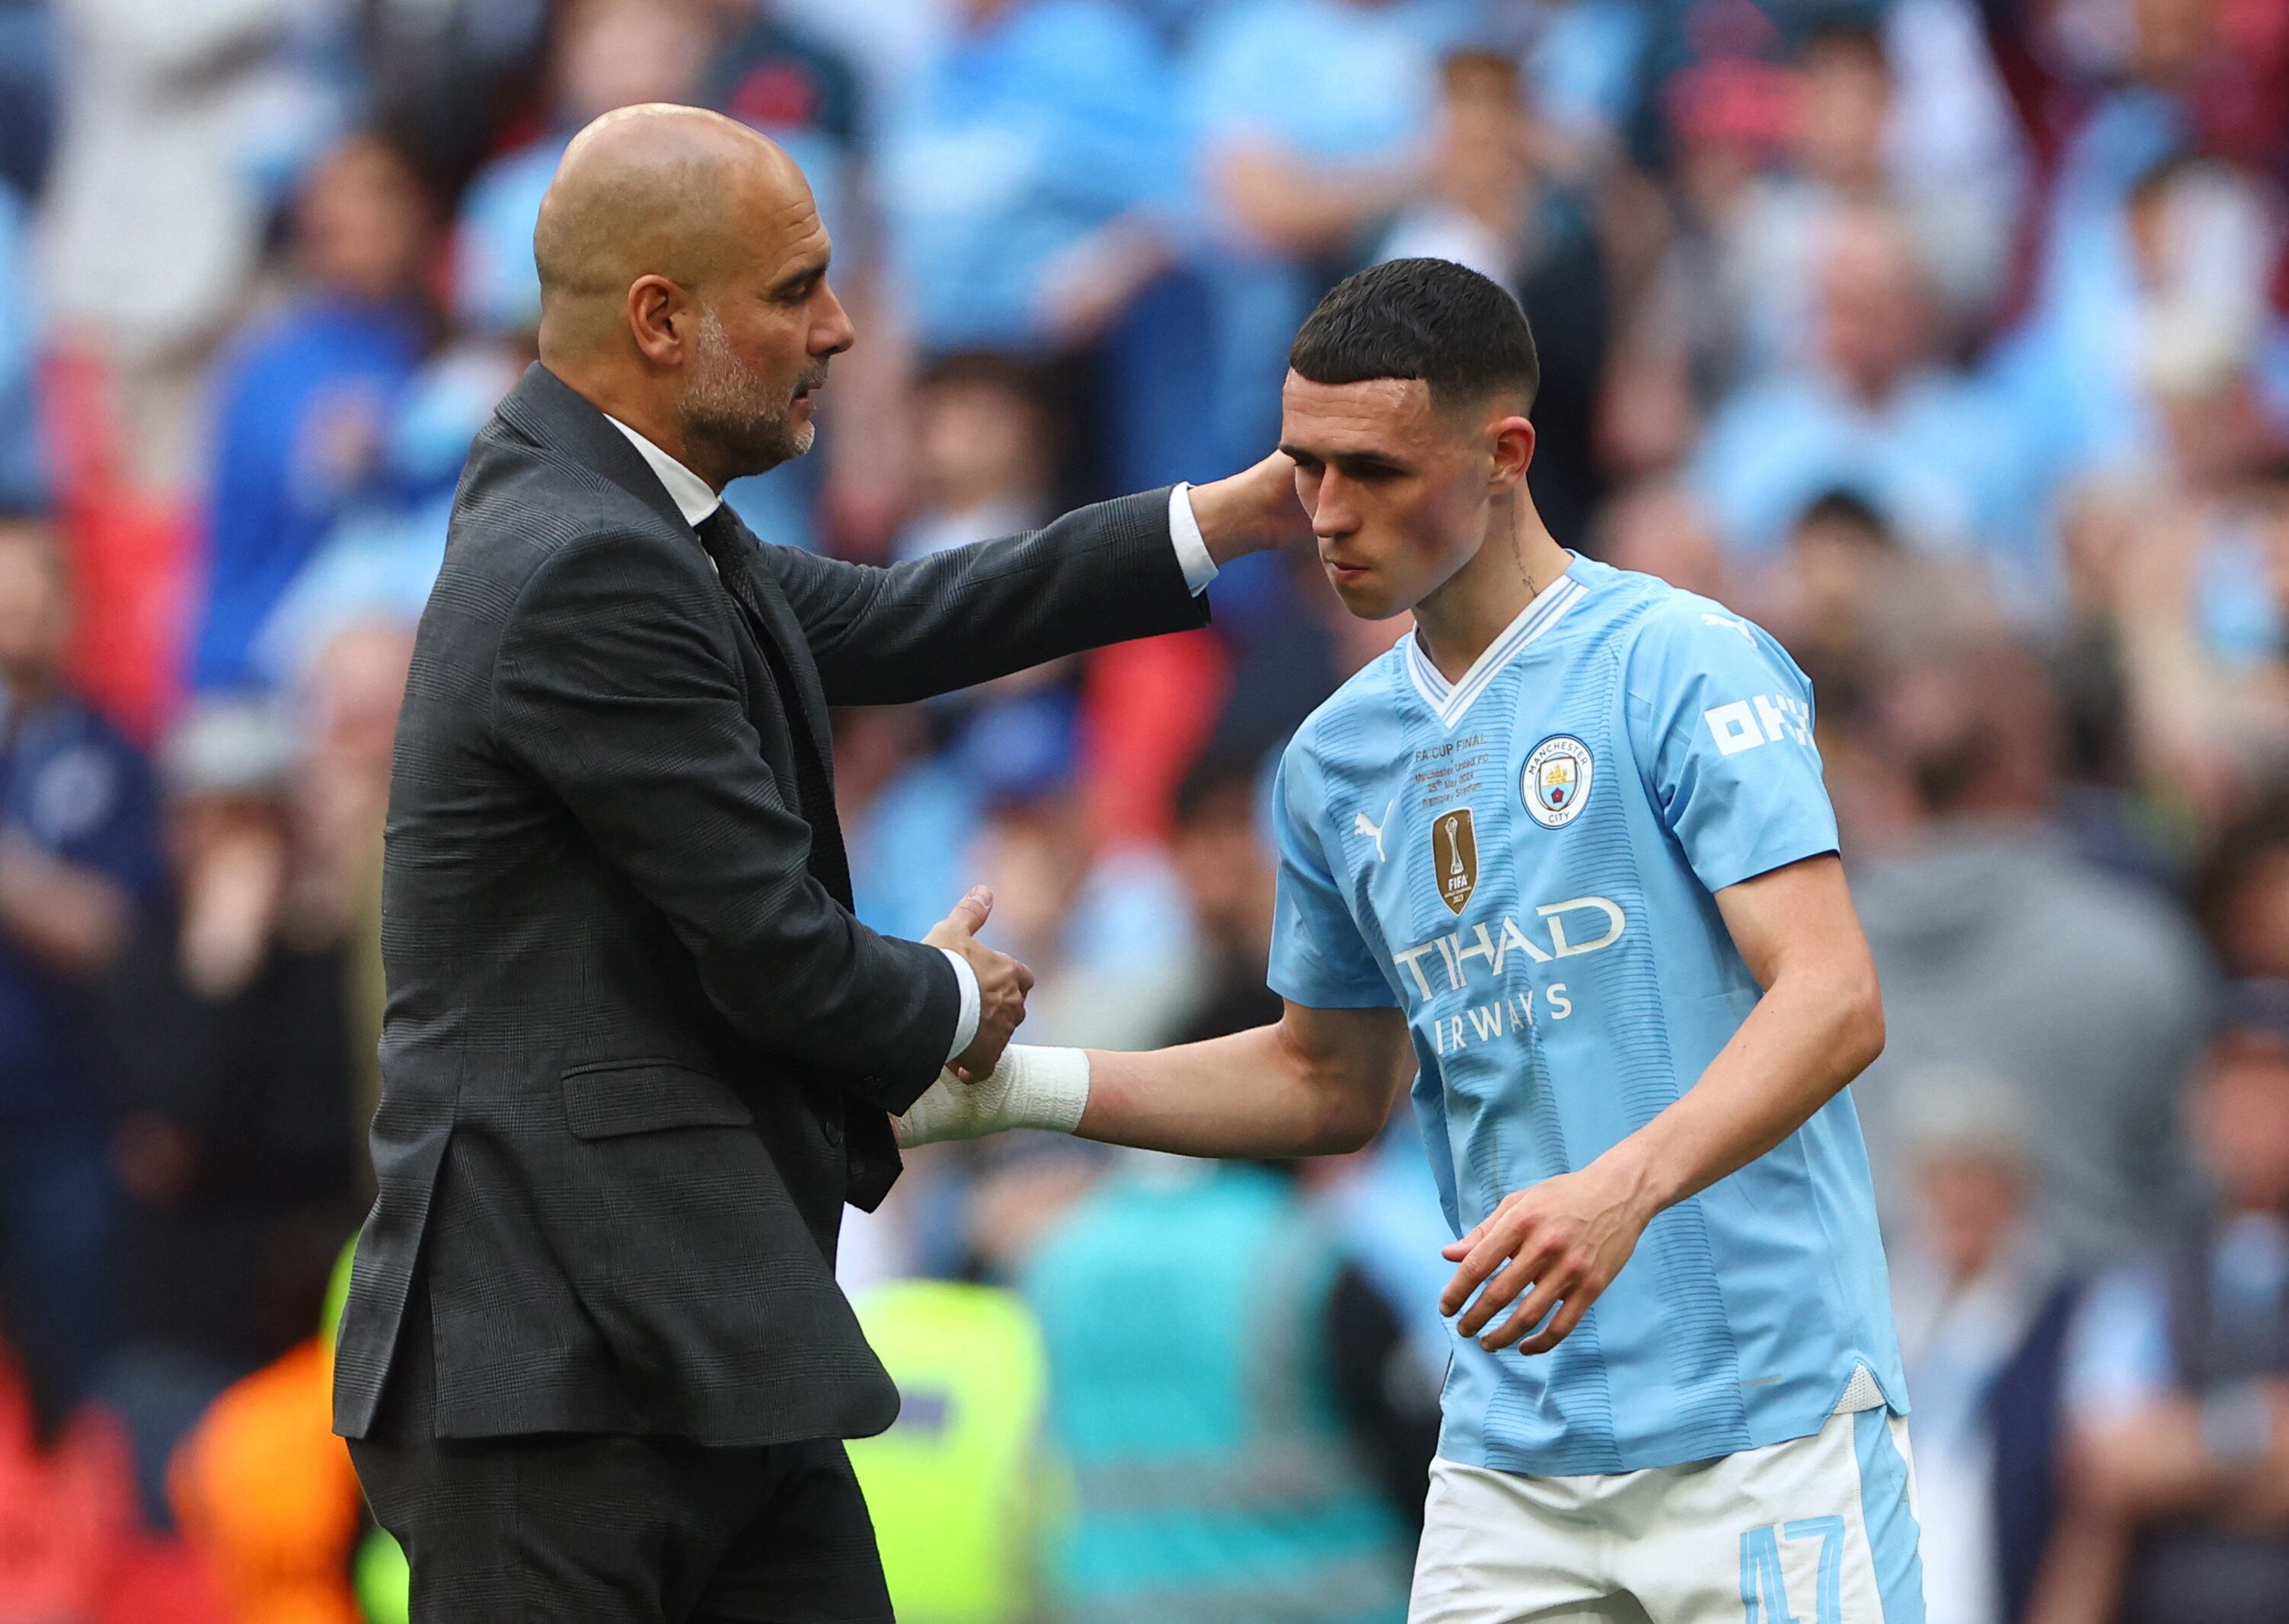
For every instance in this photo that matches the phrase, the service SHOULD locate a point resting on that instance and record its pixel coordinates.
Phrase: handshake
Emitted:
(991, 1086)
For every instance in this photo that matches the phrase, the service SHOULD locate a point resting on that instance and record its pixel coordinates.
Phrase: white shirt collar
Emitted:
(690, 493)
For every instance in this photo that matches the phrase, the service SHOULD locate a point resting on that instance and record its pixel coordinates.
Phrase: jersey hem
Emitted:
(1675, 1446)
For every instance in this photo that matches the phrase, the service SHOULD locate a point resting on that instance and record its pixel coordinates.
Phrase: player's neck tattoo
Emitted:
(1517, 552)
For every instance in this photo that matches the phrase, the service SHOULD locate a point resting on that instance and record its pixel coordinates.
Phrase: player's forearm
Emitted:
(1255, 1093)
(1304, 208)
(1808, 1036)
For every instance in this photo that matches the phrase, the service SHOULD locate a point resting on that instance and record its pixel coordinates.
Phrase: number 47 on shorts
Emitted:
(1764, 1582)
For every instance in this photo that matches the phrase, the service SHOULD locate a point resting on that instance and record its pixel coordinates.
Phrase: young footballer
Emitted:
(1565, 854)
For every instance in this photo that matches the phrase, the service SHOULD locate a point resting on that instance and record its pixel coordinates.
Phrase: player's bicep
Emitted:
(1799, 915)
(1724, 721)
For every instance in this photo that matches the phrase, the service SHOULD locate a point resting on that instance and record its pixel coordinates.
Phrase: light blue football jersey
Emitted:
(1524, 862)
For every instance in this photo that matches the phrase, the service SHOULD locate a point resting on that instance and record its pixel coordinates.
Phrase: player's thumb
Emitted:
(970, 913)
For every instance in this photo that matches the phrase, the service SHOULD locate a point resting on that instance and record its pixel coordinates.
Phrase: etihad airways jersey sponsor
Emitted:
(1525, 861)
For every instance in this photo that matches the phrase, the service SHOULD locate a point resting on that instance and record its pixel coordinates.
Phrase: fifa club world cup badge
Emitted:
(1556, 782)
(1455, 856)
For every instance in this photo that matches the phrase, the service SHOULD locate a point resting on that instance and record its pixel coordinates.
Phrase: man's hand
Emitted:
(1002, 982)
(1252, 511)
(1567, 1237)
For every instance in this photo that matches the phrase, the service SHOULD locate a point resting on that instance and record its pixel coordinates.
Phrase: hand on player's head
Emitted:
(1002, 981)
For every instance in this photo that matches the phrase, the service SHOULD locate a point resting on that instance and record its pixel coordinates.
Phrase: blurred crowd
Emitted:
(1949, 338)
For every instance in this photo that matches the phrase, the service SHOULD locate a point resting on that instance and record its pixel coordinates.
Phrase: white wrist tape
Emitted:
(1031, 1088)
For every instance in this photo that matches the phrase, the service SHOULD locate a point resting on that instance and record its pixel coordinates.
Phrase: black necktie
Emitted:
(726, 541)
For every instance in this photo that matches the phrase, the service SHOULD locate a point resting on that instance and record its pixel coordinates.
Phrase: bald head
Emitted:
(683, 286)
(669, 191)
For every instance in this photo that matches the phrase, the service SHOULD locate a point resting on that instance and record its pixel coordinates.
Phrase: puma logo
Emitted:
(1732, 625)
(1359, 825)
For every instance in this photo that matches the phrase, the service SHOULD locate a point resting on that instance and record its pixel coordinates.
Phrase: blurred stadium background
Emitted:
(1945, 337)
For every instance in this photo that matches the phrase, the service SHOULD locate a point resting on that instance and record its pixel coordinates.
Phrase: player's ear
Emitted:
(1513, 452)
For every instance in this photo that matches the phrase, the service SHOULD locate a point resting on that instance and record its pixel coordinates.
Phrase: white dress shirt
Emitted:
(697, 501)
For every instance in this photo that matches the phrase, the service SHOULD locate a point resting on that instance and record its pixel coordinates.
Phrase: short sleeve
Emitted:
(1319, 958)
(2117, 1352)
(1722, 722)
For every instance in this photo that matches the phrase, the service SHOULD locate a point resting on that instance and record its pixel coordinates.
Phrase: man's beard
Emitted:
(732, 408)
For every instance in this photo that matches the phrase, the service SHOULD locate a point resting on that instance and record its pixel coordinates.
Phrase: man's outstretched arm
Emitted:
(1098, 576)
(1818, 1025)
(1319, 1082)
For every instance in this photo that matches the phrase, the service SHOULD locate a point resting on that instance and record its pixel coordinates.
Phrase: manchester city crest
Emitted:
(1555, 783)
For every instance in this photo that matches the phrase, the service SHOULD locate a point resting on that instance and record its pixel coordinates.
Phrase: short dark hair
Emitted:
(1463, 334)
(1845, 509)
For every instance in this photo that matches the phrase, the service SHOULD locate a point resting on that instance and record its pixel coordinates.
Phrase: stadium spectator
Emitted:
(1195, 1315)
(775, 76)
(79, 863)
(382, 552)
(1032, 185)
(2241, 895)
(1106, 932)
(908, 814)
(304, 401)
(1827, 596)
(160, 195)
(2178, 1375)
(446, 77)
(1312, 120)
(982, 454)
(1219, 849)
(958, 1487)
(1025, 175)
(1879, 415)
(1657, 526)
(1841, 157)
(2168, 282)
(228, 1046)
(1982, 1309)
(2000, 947)
(1495, 205)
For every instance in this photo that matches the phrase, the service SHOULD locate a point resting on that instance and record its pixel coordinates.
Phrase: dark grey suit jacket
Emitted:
(635, 1057)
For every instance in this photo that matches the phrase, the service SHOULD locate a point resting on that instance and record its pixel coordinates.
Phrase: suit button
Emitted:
(833, 1130)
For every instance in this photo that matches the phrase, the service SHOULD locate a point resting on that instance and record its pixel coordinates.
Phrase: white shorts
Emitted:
(1820, 1530)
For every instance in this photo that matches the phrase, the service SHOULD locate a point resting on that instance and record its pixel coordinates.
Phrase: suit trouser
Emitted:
(613, 1528)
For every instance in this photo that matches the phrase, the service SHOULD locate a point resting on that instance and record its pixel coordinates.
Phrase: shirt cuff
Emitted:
(1192, 546)
(965, 1024)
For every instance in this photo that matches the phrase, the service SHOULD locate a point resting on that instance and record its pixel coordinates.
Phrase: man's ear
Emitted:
(1513, 452)
(659, 317)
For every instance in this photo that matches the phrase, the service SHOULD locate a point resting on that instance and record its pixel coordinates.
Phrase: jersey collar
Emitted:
(1449, 700)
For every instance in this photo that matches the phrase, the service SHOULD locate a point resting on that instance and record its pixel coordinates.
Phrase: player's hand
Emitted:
(1567, 1237)
(1253, 510)
(1002, 982)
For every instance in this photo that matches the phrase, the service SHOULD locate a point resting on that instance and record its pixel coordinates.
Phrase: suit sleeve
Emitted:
(616, 686)
(891, 635)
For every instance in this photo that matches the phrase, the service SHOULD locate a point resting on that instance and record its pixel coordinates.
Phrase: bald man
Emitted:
(638, 1051)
